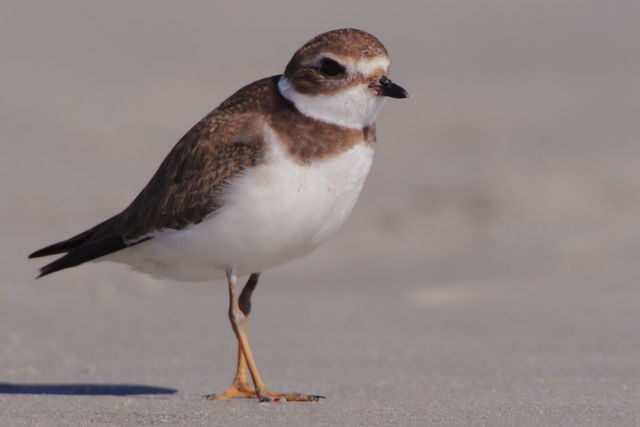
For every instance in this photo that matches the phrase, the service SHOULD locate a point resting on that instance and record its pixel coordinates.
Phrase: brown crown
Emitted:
(345, 42)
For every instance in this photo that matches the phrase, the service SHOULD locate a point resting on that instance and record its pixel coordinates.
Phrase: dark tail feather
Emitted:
(80, 254)
(65, 245)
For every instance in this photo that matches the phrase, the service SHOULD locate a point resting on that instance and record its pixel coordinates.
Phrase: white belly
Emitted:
(273, 213)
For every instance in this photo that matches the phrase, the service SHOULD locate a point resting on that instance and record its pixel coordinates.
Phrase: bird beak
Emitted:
(390, 89)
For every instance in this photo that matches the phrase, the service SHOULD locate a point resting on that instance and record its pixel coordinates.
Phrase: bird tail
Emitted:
(86, 246)
(65, 245)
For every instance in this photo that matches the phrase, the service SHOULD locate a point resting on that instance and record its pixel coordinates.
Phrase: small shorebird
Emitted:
(262, 179)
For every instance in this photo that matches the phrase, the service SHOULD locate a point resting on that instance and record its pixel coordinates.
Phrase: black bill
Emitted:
(390, 89)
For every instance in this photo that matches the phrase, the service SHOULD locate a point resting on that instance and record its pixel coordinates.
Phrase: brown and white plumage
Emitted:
(264, 178)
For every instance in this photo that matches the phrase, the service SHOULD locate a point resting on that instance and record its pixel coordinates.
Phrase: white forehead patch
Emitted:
(368, 66)
(364, 66)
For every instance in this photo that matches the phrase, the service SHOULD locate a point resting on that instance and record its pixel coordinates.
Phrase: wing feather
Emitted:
(187, 185)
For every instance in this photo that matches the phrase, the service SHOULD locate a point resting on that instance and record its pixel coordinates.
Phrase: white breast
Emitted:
(271, 214)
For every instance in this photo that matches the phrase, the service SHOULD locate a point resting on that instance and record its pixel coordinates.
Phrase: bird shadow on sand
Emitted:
(81, 389)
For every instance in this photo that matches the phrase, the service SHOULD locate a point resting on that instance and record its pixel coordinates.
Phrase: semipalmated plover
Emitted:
(262, 179)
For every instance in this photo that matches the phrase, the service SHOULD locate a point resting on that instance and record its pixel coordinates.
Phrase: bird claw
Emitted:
(248, 393)
(290, 397)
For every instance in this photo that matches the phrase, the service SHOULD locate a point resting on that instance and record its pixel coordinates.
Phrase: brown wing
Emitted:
(186, 187)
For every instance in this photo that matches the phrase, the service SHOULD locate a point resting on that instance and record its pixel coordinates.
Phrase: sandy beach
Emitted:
(488, 276)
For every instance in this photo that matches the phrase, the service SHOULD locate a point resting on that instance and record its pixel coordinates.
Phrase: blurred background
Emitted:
(489, 273)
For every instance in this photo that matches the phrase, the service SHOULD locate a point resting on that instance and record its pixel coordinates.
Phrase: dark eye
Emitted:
(330, 67)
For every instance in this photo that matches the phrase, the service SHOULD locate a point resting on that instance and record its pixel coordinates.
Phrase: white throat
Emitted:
(356, 107)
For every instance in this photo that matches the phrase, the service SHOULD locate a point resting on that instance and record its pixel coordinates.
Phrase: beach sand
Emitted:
(488, 276)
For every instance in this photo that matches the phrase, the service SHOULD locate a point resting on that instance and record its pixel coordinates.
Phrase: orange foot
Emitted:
(290, 397)
(235, 390)
(248, 392)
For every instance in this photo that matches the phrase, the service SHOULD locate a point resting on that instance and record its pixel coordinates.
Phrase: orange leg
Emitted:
(239, 309)
(240, 386)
